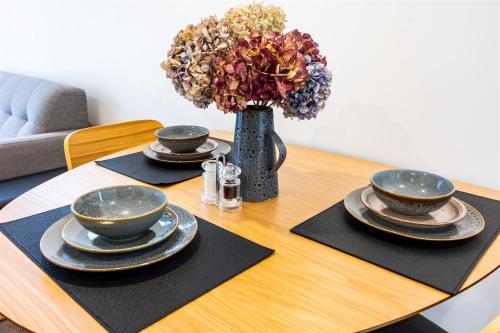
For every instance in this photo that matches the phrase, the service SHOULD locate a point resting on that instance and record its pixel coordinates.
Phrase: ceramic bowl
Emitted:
(412, 192)
(182, 138)
(120, 213)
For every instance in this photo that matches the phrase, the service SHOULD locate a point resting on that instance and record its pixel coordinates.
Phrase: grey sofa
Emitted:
(35, 117)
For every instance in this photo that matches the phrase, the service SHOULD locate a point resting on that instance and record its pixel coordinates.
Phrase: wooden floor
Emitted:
(6, 326)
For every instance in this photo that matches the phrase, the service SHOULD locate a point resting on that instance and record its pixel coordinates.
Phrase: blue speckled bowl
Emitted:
(412, 192)
(182, 138)
(120, 213)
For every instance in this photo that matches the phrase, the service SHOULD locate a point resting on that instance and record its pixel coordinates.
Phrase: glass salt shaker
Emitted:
(209, 194)
(229, 189)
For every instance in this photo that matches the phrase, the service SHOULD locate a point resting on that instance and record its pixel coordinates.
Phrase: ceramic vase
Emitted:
(254, 152)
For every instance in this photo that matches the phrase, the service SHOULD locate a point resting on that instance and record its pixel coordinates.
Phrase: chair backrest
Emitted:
(33, 106)
(88, 144)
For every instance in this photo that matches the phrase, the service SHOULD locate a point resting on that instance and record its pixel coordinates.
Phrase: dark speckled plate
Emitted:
(75, 235)
(472, 224)
(200, 152)
(60, 254)
(222, 147)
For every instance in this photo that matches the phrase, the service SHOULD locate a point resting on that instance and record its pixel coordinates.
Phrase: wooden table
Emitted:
(304, 286)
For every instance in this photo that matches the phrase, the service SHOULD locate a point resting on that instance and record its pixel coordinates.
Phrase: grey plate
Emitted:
(221, 148)
(450, 213)
(202, 151)
(472, 224)
(75, 235)
(60, 254)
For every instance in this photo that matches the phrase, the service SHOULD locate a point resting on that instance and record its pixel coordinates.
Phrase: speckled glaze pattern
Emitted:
(254, 153)
(412, 192)
(81, 239)
(411, 208)
(222, 147)
(200, 152)
(450, 213)
(472, 224)
(60, 254)
(182, 138)
(120, 213)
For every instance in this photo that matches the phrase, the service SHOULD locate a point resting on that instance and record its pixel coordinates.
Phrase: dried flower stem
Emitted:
(270, 74)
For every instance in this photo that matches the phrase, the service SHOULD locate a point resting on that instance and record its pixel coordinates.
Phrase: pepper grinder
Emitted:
(229, 189)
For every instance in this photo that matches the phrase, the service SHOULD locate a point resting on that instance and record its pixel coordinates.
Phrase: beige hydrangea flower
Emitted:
(188, 62)
(242, 20)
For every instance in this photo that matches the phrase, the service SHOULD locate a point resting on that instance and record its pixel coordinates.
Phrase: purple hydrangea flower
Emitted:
(307, 101)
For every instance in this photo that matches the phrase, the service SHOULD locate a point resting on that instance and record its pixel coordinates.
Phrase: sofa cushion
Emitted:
(32, 106)
(31, 154)
(12, 188)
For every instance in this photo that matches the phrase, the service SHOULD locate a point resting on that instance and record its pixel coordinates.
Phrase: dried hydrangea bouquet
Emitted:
(246, 64)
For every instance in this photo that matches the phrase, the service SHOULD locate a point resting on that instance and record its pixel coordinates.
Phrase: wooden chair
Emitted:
(90, 143)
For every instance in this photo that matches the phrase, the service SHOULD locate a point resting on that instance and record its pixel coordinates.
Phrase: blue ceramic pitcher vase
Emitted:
(254, 152)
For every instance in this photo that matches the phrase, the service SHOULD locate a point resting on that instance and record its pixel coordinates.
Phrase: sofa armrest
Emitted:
(31, 154)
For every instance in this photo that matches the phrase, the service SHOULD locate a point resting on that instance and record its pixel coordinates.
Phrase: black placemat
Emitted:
(444, 265)
(139, 167)
(128, 301)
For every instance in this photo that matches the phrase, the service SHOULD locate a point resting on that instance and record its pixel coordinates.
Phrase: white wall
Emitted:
(416, 84)
(471, 310)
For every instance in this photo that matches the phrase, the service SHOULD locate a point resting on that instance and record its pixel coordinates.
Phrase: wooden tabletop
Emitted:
(304, 286)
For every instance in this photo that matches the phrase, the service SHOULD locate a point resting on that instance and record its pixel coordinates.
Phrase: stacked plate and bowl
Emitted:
(414, 204)
(118, 228)
(184, 144)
